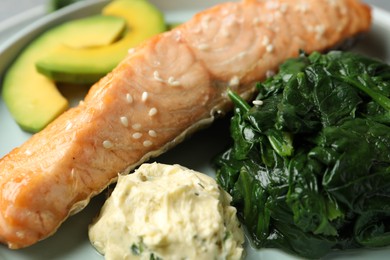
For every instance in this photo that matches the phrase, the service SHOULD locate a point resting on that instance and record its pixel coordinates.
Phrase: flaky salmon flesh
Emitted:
(165, 89)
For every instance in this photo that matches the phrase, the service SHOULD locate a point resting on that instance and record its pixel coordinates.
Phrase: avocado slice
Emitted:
(88, 65)
(94, 31)
(34, 100)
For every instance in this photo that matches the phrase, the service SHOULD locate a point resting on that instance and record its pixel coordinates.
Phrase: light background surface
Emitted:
(70, 242)
(9, 8)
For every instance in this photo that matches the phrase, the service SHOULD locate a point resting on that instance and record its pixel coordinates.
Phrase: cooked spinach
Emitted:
(309, 168)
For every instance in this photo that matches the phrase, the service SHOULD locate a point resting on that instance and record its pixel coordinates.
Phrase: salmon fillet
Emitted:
(165, 89)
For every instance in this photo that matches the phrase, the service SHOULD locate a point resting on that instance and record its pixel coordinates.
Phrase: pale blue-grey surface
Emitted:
(71, 242)
(9, 8)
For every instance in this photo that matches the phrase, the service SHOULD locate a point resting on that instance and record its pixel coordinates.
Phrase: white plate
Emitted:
(71, 241)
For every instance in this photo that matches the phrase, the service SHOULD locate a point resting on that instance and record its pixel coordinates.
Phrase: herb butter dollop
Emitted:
(167, 212)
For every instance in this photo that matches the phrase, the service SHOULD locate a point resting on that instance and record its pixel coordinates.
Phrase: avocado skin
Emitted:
(33, 99)
(54, 5)
(88, 65)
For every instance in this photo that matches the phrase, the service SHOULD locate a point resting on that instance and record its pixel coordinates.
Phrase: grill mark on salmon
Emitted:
(164, 90)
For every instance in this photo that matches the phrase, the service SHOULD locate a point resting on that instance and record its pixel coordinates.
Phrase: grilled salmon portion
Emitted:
(165, 89)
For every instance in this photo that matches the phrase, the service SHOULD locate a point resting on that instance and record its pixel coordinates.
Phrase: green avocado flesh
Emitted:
(80, 51)
(93, 32)
(33, 99)
(88, 65)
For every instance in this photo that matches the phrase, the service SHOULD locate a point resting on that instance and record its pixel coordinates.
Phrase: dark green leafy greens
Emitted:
(54, 5)
(309, 169)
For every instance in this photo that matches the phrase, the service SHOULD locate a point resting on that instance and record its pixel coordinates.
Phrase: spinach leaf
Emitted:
(309, 168)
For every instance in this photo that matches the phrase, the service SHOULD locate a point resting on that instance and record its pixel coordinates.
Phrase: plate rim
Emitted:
(381, 17)
(22, 38)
